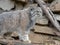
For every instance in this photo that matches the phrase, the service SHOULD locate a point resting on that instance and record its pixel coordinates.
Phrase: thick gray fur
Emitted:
(20, 21)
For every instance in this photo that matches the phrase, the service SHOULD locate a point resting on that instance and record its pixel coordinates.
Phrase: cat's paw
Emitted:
(25, 38)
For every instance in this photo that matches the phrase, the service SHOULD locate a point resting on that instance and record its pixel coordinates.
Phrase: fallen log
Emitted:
(49, 14)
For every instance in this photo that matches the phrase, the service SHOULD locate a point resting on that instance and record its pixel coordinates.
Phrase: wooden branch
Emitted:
(49, 14)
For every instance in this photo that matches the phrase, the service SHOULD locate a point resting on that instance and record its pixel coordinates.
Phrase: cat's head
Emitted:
(35, 12)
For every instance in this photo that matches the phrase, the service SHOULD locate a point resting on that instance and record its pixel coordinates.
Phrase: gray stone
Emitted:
(1, 10)
(55, 5)
(25, 1)
(22, 44)
(19, 6)
(44, 29)
(57, 16)
(42, 20)
(22, 0)
(6, 4)
(30, 5)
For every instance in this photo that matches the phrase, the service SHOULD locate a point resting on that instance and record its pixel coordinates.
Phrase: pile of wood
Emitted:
(43, 33)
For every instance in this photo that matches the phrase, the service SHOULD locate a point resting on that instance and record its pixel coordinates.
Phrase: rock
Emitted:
(57, 42)
(57, 16)
(30, 5)
(24, 1)
(38, 38)
(55, 5)
(42, 20)
(6, 4)
(49, 1)
(12, 42)
(49, 42)
(22, 44)
(19, 6)
(44, 29)
(14, 34)
(52, 42)
(1, 10)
